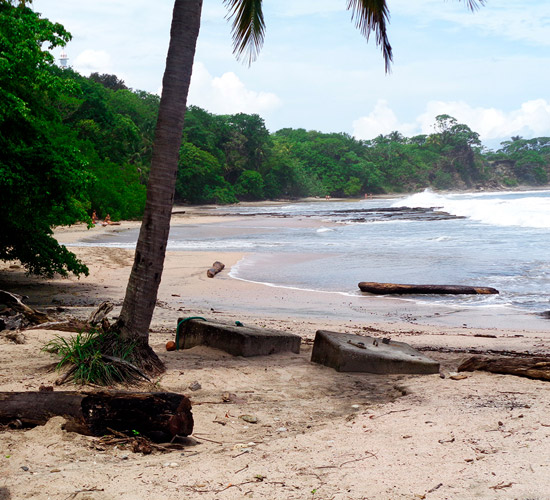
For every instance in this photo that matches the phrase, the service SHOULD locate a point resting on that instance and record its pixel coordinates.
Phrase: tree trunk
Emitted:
(394, 288)
(531, 367)
(159, 415)
(141, 293)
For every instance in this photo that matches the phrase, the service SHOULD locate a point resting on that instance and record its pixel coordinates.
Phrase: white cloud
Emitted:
(227, 94)
(292, 8)
(382, 120)
(531, 119)
(91, 61)
(526, 20)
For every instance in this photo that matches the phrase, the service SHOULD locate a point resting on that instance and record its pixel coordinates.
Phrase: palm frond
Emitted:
(248, 27)
(373, 15)
(473, 5)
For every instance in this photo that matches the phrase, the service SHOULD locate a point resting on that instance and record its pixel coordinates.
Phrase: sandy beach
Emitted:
(319, 434)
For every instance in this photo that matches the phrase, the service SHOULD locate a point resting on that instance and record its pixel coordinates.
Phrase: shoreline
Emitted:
(267, 299)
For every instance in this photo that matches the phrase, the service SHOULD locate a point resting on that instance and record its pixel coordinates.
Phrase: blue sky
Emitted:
(489, 69)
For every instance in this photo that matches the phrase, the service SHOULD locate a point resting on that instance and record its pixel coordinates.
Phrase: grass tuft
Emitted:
(95, 357)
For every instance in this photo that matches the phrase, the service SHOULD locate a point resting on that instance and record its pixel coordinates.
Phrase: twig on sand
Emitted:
(435, 488)
(73, 495)
(200, 436)
(393, 411)
(369, 455)
(501, 486)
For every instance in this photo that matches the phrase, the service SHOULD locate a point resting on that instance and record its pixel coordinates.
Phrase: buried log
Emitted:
(396, 289)
(215, 269)
(159, 416)
(531, 367)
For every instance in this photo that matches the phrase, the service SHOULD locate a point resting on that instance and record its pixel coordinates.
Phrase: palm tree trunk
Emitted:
(141, 292)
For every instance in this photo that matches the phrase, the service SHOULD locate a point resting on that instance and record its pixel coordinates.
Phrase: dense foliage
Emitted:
(68, 145)
(71, 145)
(228, 158)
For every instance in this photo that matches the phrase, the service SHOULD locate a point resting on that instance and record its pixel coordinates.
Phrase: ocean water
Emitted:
(499, 239)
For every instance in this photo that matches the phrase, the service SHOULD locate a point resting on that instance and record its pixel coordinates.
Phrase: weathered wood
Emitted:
(531, 367)
(396, 289)
(15, 302)
(159, 415)
(99, 314)
(69, 325)
(215, 269)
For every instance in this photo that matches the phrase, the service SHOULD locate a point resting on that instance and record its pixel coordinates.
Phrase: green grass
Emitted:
(94, 357)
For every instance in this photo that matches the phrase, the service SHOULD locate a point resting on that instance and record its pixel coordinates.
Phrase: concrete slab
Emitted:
(354, 353)
(236, 340)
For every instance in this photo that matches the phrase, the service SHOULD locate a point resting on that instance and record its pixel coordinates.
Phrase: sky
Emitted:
(489, 69)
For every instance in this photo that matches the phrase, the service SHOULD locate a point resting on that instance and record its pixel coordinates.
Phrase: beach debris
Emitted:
(96, 319)
(157, 415)
(12, 304)
(236, 340)
(15, 337)
(195, 386)
(398, 289)
(100, 313)
(355, 353)
(229, 397)
(530, 367)
(457, 376)
(501, 486)
(251, 419)
(170, 345)
(215, 269)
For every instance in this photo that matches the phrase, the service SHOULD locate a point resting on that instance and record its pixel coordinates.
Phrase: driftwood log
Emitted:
(531, 367)
(395, 288)
(97, 317)
(215, 269)
(15, 302)
(159, 416)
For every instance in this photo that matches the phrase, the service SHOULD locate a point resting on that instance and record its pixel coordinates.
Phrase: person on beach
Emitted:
(107, 220)
(94, 218)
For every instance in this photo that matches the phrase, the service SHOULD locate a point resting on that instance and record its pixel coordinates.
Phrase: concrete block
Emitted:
(236, 340)
(354, 353)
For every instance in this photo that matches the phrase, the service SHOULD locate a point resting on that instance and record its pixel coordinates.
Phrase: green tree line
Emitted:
(71, 145)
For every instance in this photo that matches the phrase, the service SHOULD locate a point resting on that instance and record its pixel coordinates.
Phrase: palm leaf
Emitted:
(370, 15)
(373, 15)
(248, 27)
(474, 4)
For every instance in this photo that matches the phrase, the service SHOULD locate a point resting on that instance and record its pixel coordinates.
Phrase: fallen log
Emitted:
(159, 416)
(15, 302)
(532, 367)
(215, 269)
(76, 325)
(396, 289)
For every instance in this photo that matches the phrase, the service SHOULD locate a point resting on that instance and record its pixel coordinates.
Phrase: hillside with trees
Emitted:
(71, 145)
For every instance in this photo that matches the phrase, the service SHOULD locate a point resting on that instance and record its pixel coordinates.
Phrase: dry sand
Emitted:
(320, 434)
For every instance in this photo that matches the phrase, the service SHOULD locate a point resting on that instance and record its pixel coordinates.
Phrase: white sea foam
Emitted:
(530, 209)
